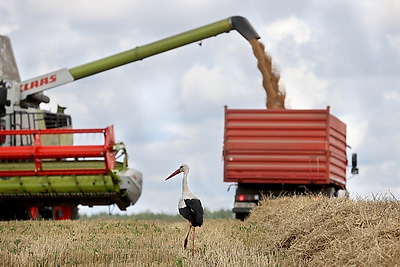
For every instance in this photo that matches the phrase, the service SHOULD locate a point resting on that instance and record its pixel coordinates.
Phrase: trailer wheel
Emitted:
(329, 191)
(241, 216)
(342, 193)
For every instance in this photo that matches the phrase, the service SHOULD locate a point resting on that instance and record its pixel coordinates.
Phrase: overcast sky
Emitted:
(168, 109)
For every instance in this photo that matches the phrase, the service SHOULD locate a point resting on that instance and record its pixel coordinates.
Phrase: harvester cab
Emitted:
(46, 170)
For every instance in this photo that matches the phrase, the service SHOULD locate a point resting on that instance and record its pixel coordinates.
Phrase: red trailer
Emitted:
(283, 151)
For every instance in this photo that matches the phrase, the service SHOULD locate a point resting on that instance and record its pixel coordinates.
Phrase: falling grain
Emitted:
(275, 96)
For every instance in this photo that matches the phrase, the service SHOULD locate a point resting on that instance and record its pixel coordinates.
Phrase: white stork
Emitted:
(189, 206)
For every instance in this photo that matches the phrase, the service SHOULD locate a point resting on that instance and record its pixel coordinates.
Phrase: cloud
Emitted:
(394, 43)
(356, 131)
(381, 16)
(304, 88)
(10, 17)
(207, 90)
(292, 27)
(82, 10)
(391, 96)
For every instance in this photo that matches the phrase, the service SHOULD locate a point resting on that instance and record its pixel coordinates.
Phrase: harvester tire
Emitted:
(65, 213)
(33, 213)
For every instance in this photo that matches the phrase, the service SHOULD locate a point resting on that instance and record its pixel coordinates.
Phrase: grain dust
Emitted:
(275, 96)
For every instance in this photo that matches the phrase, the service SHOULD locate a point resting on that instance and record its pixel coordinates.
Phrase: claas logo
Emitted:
(38, 83)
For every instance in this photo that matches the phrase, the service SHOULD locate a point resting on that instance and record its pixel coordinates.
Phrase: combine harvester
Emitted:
(44, 173)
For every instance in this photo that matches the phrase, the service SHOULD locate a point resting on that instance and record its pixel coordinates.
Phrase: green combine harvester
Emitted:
(45, 171)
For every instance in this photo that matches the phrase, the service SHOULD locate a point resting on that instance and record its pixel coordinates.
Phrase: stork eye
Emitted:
(181, 168)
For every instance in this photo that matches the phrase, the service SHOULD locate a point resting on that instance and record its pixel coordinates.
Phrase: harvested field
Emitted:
(306, 231)
(291, 231)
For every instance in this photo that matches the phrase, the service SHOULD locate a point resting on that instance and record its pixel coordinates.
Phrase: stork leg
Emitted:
(194, 234)
(187, 236)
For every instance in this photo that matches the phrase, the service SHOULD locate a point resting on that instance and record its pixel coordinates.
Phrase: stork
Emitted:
(189, 206)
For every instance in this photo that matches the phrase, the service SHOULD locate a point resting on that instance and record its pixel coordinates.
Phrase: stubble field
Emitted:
(290, 231)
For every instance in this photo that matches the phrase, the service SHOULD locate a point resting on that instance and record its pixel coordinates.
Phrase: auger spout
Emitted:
(243, 26)
(63, 76)
(141, 52)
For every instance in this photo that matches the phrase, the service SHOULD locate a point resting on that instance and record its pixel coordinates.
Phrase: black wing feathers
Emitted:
(193, 211)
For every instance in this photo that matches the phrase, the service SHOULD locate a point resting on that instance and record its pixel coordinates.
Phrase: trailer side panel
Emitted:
(283, 146)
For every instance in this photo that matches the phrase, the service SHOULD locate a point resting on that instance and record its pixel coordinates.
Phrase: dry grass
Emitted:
(306, 231)
(298, 231)
(123, 243)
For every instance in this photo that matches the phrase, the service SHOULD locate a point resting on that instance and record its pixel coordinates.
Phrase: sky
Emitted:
(168, 109)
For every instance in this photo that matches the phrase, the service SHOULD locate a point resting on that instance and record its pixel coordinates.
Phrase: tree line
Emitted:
(148, 215)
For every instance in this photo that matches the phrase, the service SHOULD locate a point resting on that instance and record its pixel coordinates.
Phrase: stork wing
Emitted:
(197, 211)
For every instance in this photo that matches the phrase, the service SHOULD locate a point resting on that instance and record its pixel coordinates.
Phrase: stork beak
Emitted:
(173, 174)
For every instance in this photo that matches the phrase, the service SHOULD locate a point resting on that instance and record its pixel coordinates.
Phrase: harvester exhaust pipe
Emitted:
(63, 76)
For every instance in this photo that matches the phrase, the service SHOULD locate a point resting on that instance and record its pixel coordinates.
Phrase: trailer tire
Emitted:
(329, 191)
(342, 193)
(241, 216)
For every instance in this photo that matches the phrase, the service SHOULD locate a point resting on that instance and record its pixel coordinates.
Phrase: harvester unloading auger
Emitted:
(43, 174)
